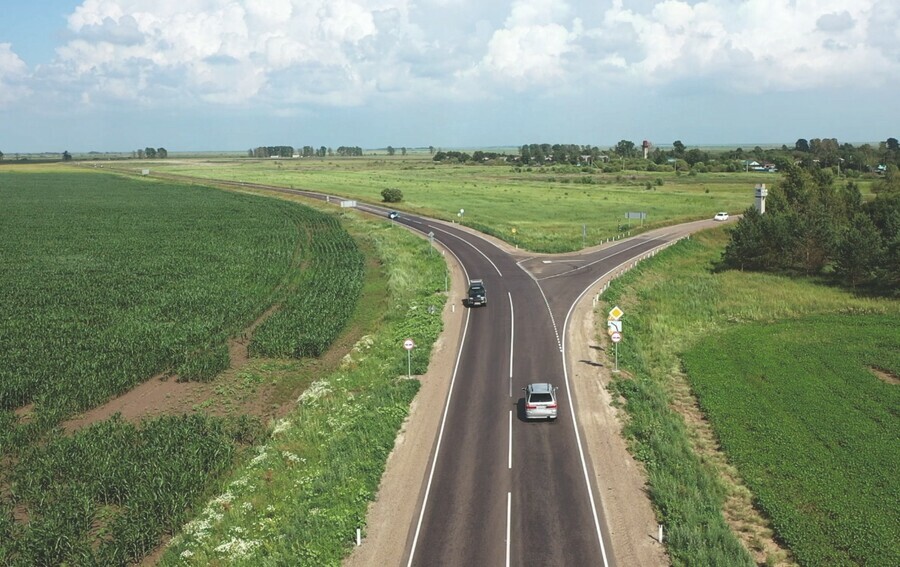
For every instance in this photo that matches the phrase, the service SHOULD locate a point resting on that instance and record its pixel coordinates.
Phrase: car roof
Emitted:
(476, 282)
(541, 388)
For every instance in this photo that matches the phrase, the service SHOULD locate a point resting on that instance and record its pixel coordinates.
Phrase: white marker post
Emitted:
(408, 344)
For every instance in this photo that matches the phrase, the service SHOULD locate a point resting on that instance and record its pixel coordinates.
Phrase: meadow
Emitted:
(800, 426)
(545, 209)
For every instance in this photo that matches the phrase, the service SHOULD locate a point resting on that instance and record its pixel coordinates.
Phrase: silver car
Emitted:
(540, 401)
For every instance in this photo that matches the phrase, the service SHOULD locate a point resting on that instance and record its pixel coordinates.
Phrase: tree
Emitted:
(678, 148)
(66, 156)
(859, 251)
(391, 195)
(390, 150)
(892, 144)
(431, 150)
(802, 145)
(1, 156)
(625, 148)
(162, 153)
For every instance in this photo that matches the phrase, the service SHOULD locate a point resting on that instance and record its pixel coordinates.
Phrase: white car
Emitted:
(721, 216)
(540, 401)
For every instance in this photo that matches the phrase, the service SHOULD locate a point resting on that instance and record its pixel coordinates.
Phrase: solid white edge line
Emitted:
(508, 522)
(587, 478)
(437, 448)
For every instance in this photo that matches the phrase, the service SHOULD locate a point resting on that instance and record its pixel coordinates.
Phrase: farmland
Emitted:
(109, 281)
(803, 398)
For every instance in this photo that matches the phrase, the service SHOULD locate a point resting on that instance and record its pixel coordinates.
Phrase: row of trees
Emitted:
(810, 226)
(150, 153)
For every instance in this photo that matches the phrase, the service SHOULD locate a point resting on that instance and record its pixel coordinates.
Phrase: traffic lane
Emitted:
(553, 523)
(464, 519)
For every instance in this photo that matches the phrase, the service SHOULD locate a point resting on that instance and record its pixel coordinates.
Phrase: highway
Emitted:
(501, 490)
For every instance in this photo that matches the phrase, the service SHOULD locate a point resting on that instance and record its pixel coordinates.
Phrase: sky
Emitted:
(229, 75)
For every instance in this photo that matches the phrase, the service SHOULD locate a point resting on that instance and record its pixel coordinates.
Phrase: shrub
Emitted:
(392, 195)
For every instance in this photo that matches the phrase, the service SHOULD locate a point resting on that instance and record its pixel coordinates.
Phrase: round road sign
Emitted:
(616, 337)
(408, 344)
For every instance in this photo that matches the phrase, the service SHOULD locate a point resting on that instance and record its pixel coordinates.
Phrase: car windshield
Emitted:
(540, 398)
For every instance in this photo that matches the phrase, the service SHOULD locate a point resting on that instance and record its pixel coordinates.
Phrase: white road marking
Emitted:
(508, 522)
(510, 439)
(512, 337)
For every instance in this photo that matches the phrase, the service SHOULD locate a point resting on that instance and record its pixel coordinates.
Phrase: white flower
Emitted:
(281, 426)
(187, 554)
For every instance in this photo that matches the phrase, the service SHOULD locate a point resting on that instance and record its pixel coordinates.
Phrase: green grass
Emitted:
(813, 431)
(676, 301)
(540, 209)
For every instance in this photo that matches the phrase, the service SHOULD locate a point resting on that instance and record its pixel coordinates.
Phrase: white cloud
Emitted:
(13, 74)
(347, 52)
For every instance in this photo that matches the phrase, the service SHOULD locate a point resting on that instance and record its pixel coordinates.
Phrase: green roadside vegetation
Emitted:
(797, 406)
(108, 281)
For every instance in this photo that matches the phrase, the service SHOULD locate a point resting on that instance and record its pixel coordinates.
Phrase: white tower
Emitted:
(760, 203)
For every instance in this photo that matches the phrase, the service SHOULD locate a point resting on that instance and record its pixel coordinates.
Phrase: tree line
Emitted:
(812, 226)
(842, 158)
(150, 153)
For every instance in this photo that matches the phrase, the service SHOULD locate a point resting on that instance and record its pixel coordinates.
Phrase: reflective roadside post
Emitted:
(408, 344)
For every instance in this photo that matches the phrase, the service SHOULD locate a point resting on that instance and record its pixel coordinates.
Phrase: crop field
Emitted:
(107, 281)
(553, 209)
(802, 399)
(787, 372)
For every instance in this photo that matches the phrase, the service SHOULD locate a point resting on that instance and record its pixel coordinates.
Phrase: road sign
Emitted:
(616, 337)
(613, 327)
(615, 313)
(408, 344)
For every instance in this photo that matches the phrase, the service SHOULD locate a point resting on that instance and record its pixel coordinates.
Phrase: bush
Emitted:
(392, 195)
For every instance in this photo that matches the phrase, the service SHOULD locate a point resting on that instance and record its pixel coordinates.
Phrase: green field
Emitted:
(553, 209)
(790, 396)
(815, 433)
(108, 281)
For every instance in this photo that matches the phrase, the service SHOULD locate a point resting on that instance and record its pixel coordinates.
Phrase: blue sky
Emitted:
(195, 75)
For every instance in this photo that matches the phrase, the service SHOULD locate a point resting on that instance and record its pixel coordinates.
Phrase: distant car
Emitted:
(540, 401)
(393, 215)
(721, 216)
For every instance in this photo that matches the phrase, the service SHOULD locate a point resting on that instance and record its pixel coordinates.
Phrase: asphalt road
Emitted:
(502, 490)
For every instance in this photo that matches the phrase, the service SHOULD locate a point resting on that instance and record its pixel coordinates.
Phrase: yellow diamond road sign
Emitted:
(615, 313)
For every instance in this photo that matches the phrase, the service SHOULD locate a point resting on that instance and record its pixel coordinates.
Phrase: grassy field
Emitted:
(789, 400)
(793, 402)
(539, 209)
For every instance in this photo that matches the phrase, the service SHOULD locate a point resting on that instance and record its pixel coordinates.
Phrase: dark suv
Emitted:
(477, 295)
